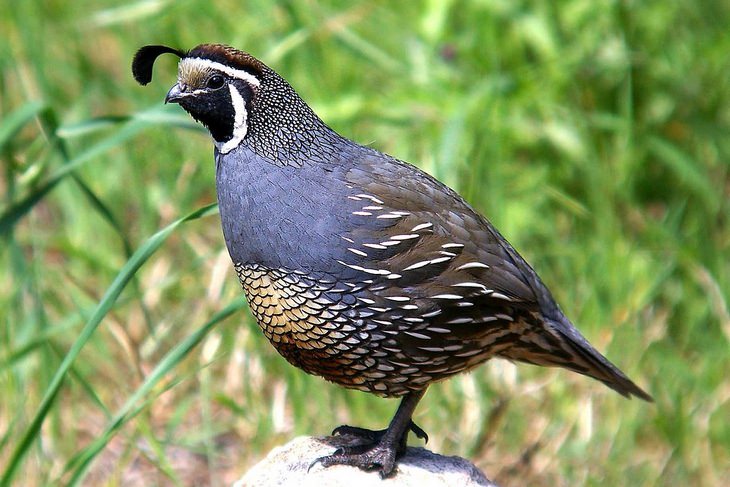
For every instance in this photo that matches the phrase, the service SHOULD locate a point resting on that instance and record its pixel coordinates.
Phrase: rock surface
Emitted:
(288, 465)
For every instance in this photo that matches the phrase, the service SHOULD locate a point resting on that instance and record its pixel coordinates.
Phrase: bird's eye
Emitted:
(215, 82)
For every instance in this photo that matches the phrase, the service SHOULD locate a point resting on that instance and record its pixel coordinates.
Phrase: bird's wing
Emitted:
(416, 228)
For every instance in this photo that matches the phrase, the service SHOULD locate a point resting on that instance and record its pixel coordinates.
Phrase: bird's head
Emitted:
(241, 101)
(216, 84)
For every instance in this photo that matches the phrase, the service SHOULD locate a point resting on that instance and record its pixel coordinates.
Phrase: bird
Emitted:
(359, 267)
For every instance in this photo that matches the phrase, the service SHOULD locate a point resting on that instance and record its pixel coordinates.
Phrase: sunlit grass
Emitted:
(593, 134)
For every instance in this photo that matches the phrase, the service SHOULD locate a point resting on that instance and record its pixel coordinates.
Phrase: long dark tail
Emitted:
(559, 344)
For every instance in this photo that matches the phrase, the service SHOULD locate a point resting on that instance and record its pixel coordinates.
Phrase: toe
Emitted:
(418, 431)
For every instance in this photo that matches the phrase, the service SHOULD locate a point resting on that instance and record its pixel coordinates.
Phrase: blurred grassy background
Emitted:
(594, 134)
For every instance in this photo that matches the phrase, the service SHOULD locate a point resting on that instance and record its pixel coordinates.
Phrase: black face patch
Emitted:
(215, 110)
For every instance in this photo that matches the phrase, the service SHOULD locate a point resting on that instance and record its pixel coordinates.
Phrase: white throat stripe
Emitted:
(234, 73)
(239, 122)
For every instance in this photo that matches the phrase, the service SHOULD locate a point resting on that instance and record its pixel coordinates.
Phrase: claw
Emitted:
(315, 462)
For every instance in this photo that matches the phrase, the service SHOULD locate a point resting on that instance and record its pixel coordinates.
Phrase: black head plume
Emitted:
(145, 59)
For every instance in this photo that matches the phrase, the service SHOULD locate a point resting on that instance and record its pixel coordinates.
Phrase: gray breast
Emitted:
(282, 216)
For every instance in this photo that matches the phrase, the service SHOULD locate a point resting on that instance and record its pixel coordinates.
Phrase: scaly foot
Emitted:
(379, 457)
(379, 449)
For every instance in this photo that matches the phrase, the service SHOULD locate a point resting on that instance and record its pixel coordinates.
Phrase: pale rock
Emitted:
(289, 465)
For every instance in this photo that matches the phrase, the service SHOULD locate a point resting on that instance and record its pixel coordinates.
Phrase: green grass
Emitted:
(593, 134)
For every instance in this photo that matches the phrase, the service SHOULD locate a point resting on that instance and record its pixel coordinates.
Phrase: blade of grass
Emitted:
(17, 119)
(129, 410)
(158, 115)
(130, 268)
(132, 12)
(369, 50)
(14, 213)
(687, 170)
(9, 127)
(51, 126)
(12, 356)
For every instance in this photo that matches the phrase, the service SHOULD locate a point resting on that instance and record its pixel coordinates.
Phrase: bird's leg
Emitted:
(380, 449)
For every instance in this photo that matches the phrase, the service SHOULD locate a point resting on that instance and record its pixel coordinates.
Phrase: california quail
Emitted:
(358, 267)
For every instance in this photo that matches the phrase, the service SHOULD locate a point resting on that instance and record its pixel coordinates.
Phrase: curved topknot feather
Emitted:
(145, 58)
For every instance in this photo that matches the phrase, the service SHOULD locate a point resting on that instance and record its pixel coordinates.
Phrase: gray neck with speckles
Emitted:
(285, 130)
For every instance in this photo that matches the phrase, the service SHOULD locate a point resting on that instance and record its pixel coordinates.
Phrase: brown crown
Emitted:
(229, 56)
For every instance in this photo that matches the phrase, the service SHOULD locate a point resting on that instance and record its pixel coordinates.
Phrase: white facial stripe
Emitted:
(185, 94)
(234, 73)
(239, 122)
